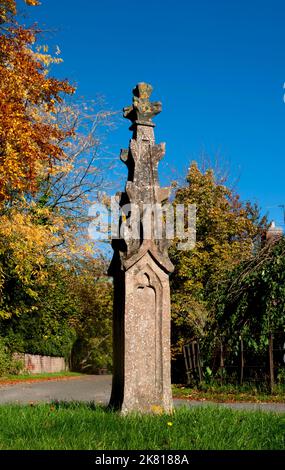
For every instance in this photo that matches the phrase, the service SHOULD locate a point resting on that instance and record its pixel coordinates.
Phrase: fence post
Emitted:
(271, 362)
(222, 362)
(199, 362)
(241, 361)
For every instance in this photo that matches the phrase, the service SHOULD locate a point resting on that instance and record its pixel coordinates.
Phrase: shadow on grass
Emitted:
(77, 405)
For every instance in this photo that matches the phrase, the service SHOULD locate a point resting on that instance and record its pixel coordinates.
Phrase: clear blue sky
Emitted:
(218, 66)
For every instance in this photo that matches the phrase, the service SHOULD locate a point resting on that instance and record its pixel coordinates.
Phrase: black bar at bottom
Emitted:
(126, 459)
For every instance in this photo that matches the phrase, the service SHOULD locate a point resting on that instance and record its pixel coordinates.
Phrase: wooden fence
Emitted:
(240, 365)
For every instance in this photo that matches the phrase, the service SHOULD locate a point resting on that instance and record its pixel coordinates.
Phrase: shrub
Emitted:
(8, 365)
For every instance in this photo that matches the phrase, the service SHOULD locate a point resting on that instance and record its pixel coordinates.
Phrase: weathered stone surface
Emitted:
(141, 267)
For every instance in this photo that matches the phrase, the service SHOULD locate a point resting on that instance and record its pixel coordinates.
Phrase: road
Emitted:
(96, 388)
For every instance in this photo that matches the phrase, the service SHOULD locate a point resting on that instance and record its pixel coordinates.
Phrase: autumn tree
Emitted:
(30, 143)
(50, 163)
(66, 193)
(53, 292)
(227, 229)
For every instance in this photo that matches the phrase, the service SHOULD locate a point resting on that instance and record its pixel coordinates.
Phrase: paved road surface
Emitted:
(96, 388)
(89, 388)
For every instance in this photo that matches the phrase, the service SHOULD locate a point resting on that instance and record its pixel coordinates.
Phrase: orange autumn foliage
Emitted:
(49, 165)
(30, 141)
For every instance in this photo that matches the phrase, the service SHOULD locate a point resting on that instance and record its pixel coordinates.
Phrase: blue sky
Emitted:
(217, 66)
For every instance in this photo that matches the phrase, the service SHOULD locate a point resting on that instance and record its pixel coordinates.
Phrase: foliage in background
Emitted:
(71, 318)
(31, 142)
(47, 330)
(227, 229)
(51, 160)
(31, 146)
(8, 365)
(92, 350)
(250, 303)
(51, 166)
(54, 296)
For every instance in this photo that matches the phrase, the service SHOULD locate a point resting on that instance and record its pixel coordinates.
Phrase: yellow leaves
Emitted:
(32, 293)
(65, 168)
(45, 58)
(7, 7)
(157, 410)
(29, 236)
(27, 244)
(32, 3)
(30, 138)
(6, 315)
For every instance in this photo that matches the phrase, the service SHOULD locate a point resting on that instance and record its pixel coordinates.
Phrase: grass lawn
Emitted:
(230, 393)
(33, 377)
(83, 426)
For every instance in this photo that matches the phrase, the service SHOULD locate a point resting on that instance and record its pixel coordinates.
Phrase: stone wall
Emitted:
(42, 364)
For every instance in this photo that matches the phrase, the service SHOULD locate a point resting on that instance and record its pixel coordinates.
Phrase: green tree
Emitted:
(93, 323)
(227, 230)
(250, 302)
(45, 327)
(71, 317)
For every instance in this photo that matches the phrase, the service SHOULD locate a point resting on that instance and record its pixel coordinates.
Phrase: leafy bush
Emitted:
(71, 318)
(92, 351)
(8, 365)
(250, 302)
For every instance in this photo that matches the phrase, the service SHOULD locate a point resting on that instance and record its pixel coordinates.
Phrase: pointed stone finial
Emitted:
(142, 110)
(141, 268)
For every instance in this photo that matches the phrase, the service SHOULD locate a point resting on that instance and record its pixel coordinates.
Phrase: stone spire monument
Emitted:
(140, 268)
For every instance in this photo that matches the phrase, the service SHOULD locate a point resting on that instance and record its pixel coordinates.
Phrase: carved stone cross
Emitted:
(140, 268)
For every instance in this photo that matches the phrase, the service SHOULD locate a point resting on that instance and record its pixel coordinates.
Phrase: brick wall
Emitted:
(42, 364)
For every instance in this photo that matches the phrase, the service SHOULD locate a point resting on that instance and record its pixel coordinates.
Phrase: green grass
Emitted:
(83, 426)
(230, 393)
(23, 377)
